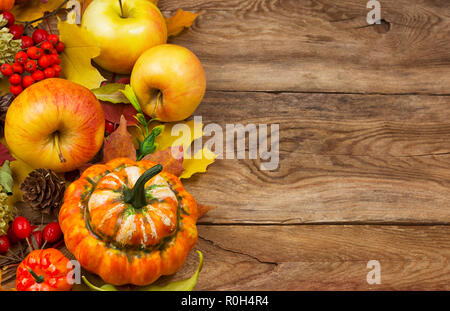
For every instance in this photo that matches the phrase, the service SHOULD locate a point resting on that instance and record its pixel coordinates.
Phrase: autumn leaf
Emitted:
(20, 171)
(80, 48)
(32, 9)
(177, 23)
(113, 113)
(119, 144)
(198, 163)
(203, 209)
(4, 86)
(171, 159)
(184, 134)
(110, 93)
(4, 154)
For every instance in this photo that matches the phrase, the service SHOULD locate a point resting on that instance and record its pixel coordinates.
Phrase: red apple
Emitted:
(123, 30)
(55, 124)
(169, 82)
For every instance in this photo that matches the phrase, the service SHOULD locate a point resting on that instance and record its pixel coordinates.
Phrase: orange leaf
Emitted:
(181, 19)
(203, 209)
(171, 164)
(119, 144)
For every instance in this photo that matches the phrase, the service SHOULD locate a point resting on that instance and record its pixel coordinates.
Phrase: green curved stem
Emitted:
(136, 196)
(37, 278)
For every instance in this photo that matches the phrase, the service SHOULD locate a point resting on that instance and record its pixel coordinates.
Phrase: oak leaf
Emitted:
(170, 158)
(177, 23)
(119, 144)
(80, 48)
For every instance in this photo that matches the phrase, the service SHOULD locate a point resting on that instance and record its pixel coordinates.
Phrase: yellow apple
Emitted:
(55, 124)
(169, 82)
(124, 30)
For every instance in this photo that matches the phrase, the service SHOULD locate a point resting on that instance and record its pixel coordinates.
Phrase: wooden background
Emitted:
(364, 121)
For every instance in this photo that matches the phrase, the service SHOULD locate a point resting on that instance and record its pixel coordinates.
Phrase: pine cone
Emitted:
(43, 190)
(5, 101)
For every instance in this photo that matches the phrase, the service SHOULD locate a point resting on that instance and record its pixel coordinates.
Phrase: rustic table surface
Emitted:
(364, 116)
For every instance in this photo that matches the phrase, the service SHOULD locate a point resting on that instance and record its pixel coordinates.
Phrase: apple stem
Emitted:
(58, 148)
(121, 9)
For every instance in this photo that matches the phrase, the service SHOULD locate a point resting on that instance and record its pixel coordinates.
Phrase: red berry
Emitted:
(39, 35)
(21, 227)
(27, 42)
(53, 39)
(49, 72)
(54, 51)
(16, 31)
(7, 70)
(17, 68)
(30, 66)
(36, 238)
(9, 17)
(60, 47)
(16, 89)
(12, 238)
(109, 127)
(38, 75)
(44, 61)
(55, 59)
(34, 52)
(47, 47)
(27, 81)
(21, 57)
(4, 244)
(52, 232)
(57, 68)
(15, 79)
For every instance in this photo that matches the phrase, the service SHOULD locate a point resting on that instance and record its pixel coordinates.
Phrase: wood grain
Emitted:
(343, 159)
(320, 45)
(321, 257)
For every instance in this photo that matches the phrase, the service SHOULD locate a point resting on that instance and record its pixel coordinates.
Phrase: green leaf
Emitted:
(6, 180)
(103, 288)
(111, 93)
(129, 93)
(183, 285)
(148, 145)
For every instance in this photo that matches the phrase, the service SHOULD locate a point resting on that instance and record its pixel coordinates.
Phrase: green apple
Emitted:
(124, 30)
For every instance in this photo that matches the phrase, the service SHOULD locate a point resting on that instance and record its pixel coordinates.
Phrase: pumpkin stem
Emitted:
(136, 196)
(37, 278)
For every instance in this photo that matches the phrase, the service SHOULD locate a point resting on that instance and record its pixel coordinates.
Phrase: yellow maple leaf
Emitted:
(198, 163)
(186, 133)
(32, 9)
(181, 19)
(80, 48)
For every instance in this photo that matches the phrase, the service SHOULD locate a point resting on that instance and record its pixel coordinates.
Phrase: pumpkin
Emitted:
(44, 270)
(129, 222)
(6, 5)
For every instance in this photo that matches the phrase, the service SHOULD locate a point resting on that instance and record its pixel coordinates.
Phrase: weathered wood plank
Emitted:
(343, 158)
(320, 45)
(324, 257)
(320, 257)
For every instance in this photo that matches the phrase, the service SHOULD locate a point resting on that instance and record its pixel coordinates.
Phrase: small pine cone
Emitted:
(5, 102)
(43, 190)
